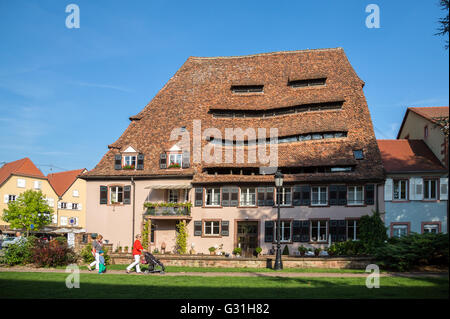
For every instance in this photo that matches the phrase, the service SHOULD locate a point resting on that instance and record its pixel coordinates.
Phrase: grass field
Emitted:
(52, 285)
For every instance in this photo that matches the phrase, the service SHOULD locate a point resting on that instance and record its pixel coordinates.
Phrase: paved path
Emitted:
(237, 274)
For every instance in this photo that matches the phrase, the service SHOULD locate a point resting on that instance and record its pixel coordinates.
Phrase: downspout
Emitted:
(134, 199)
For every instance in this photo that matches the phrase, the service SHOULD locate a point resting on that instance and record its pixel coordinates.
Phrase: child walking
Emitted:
(101, 262)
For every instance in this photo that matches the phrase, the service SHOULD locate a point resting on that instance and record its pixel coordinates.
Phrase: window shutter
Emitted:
(186, 159)
(269, 197)
(234, 196)
(297, 231)
(342, 195)
(103, 196)
(127, 194)
(225, 196)
(305, 231)
(80, 207)
(59, 205)
(140, 162)
(225, 227)
(388, 189)
(443, 182)
(333, 230)
(412, 188)
(342, 230)
(419, 188)
(297, 195)
(117, 161)
(163, 160)
(5, 199)
(261, 196)
(306, 196)
(198, 196)
(75, 221)
(197, 228)
(333, 189)
(370, 194)
(268, 231)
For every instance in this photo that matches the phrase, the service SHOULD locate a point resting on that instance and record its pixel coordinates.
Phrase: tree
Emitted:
(372, 232)
(29, 211)
(443, 28)
(442, 122)
(182, 235)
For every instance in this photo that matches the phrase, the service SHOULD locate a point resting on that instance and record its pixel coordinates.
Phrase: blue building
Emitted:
(416, 188)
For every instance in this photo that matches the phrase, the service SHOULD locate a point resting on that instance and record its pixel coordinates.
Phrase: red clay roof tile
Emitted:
(23, 166)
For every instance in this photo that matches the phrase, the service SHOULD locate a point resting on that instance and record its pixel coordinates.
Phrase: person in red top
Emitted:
(137, 251)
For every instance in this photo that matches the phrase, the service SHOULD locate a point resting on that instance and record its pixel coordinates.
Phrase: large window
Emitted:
(285, 196)
(352, 230)
(355, 195)
(212, 197)
(212, 228)
(319, 195)
(248, 196)
(319, 230)
(430, 189)
(116, 194)
(431, 228)
(285, 231)
(400, 190)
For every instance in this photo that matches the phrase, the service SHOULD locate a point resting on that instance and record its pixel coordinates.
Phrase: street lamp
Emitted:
(278, 184)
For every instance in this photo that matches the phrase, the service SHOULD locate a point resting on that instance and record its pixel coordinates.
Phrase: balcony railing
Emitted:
(168, 209)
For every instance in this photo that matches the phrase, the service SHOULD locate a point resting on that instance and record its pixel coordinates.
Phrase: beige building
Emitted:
(420, 123)
(19, 176)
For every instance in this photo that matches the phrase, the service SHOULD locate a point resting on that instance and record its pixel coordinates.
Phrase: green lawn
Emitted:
(52, 285)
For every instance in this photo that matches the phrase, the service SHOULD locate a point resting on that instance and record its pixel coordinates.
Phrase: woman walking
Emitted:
(97, 245)
(137, 251)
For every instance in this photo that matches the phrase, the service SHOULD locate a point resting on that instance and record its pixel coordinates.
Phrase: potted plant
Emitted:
(302, 250)
(332, 250)
(258, 251)
(119, 249)
(237, 251)
(317, 251)
(212, 250)
(125, 249)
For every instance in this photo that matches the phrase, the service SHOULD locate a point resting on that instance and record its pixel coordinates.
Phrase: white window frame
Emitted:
(63, 205)
(211, 222)
(75, 206)
(430, 226)
(399, 186)
(178, 159)
(12, 198)
(354, 200)
(428, 188)
(173, 195)
(355, 229)
(22, 183)
(114, 190)
(65, 219)
(319, 191)
(284, 224)
(75, 193)
(319, 222)
(398, 227)
(129, 160)
(286, 196)
(37, 184)
(246, 195)
(212, 196)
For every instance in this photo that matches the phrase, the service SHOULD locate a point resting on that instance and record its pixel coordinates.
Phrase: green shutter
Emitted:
(117, 162)
(268, 231)
(127, 194)
(103, 195)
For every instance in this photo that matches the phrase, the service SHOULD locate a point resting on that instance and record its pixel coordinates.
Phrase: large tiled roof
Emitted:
(63, 180)
(408, 156)
(202, 84)
(23, 167)
(430, 113)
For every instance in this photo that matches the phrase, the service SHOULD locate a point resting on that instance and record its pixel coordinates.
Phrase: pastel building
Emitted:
(416, 188)
(158, 169)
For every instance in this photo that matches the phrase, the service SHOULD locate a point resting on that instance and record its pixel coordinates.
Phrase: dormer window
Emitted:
(129, 162)
(175, 160)
(239, 89)
(358, 154)
(307, 82)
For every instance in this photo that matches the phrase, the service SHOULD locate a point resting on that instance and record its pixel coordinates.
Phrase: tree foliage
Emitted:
(372, 232)
(29, 211)
(443, 22)
(182, 235)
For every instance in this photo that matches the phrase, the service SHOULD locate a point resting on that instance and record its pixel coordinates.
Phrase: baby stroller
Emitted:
(152, 263)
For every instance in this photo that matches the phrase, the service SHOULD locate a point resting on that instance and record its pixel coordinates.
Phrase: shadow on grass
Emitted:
(52, 285)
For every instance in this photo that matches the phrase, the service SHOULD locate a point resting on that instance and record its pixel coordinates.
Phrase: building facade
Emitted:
(416, 188)
(173, 162)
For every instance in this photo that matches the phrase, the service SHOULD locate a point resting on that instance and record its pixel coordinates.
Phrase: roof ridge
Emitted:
(265, 53)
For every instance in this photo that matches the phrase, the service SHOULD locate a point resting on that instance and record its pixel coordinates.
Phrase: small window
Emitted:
(248, 196)
(116, 194)
(212, 228)
(399, 230)
(11, 198)
(431, 228)
(247, 88)
(358, 154)
(173, 195)
(285, 231)
(37, 184)
(63, 205)
(352, 230)
(425, 131)
(319, 195)
(400, 190)
(285, 194)
(430, 189)
(75, 193)
(355, 195)
(212, 197)
(129, 162)
(21, 183)
(75, 206)
(308, 82)
(63, 221)
(175, 160)
(319, 230)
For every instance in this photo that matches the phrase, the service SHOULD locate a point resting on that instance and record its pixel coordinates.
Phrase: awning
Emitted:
(170, 186)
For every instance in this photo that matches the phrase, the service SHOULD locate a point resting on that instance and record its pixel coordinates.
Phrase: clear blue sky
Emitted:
(65, 94)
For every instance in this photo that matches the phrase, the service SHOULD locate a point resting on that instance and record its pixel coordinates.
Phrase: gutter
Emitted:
(134, 201)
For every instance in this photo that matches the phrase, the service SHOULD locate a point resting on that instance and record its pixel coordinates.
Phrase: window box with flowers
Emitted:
(174, 165)
(130, 167)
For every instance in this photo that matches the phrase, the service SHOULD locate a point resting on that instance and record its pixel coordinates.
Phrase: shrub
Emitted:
(61, 240)
(258, 250)
(372, 232)
(87, 256)
(55, 253)
(181, 240)
(20, 253)
(302, 250)
(237, 251)
(347, 248)
(212, 249)
(414, 250)
(317, 251)
(285, 250)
